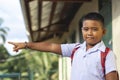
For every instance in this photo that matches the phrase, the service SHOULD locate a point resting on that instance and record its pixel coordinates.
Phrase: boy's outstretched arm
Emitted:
(40, 46)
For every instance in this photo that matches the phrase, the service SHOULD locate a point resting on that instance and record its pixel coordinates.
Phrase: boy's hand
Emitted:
(17, 46)
(112, 76)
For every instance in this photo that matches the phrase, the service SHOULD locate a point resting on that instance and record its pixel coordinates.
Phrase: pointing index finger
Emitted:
(11, 43)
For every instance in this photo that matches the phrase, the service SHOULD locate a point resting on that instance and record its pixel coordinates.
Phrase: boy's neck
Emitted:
(88, 46)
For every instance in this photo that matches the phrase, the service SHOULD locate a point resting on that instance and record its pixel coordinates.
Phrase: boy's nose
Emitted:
(90, 31)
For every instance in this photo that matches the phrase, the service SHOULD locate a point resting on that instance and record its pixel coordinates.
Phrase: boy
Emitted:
(86, 64)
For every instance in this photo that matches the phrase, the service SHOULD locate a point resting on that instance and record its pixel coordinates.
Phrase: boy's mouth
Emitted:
(90, 37)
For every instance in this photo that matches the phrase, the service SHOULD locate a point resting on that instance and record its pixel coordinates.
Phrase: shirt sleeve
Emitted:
(67, 49)
(110, 63)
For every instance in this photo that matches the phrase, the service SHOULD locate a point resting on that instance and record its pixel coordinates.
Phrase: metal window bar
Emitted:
(11, 75)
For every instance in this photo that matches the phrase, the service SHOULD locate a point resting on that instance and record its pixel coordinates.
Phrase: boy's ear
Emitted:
(104, 31)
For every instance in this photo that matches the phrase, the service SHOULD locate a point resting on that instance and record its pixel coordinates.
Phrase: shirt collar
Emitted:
(99, 46)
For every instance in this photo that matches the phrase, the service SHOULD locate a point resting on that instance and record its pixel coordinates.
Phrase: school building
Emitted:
(57, 21)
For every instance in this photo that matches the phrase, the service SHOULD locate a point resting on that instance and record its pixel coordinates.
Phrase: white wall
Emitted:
(116, 30)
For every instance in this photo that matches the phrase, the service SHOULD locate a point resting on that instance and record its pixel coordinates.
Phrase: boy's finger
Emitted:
(11, 43)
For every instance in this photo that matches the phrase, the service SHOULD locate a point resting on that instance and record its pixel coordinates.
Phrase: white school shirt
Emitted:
(86, 65)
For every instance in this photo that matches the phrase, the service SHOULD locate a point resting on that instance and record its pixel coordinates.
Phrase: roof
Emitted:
(48, 19)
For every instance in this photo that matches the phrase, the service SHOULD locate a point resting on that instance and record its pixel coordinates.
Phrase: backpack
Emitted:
(103, 56)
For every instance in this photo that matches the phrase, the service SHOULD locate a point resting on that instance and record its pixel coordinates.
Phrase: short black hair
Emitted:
(92, 16)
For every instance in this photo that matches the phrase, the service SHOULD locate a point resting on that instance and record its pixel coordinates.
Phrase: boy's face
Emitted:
(92, 31)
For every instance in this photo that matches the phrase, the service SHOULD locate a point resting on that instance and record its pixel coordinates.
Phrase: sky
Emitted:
(11, 13)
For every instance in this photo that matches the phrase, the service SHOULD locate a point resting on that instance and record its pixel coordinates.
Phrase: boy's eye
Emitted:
(95, 29)
(85, 29)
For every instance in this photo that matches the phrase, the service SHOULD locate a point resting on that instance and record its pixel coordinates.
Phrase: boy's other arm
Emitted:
(112, 76)
(40, 46)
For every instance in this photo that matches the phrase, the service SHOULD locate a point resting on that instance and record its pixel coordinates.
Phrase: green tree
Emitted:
(3, 51)
(3, 57)
(44, 65)
(3, 31)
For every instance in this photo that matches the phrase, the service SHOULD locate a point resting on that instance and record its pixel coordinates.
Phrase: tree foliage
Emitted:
(3, 31)
(43, 65)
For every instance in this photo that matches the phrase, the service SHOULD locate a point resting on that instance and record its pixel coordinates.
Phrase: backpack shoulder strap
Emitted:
(103, 58)
(73, 51)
